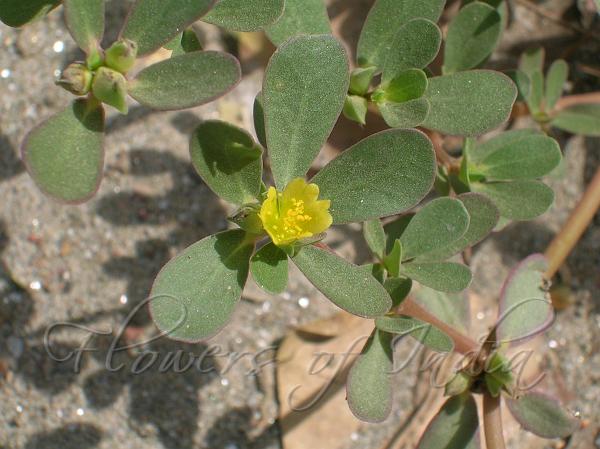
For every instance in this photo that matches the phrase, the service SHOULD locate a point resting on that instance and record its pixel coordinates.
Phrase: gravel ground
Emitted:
(91, 265)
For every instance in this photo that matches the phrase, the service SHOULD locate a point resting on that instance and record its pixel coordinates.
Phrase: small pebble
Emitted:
(19, 408)
(35, 285)
(304, 302)
(58, 47)
(80, 412)
(5, 73)
(553, 344)
(123, 299)
(224, 381)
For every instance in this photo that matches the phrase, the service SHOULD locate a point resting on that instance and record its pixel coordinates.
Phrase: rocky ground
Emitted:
(91, 265)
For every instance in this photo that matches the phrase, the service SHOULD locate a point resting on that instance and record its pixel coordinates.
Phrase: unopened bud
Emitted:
(76, 78)
(110, 87)
(121, 55)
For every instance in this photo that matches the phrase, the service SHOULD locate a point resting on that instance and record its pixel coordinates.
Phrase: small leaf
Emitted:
(393, 259)
(443, 276)
(409, 114)
(65, 154)
(425, 333)
(346, 285)
(375, 237)
(85, 19)
(186, 42)
(477, 153)
(532, 61)
(415, 45)
(529, 156)
(195, 294)
(355, 109)
(398, 288)
(303, 94)
(469, 103)
(536, 92)
(369, 385)
(186, 81)
(498, 374)
(522, 81)
(451, 308)
(299, 17)
(525, 309)
(518, 200)
(269, 268)
(542, 415)
(438, 224)
(16, 13)
(384, 174)
(383, 21)
(360, 80)
(472, 37)
(245, 15)
(153, 23)
(483, 216)
(456, 426)
(228, 160)
(579, 119)
(408, 85)
(557, 76)
(258, 115)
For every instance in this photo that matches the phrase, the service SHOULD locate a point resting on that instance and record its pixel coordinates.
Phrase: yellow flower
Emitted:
(295, 213)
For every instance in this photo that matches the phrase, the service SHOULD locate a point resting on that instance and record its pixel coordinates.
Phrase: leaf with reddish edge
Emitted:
(525, 309)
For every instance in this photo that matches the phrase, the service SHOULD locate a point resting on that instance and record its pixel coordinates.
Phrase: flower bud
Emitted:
(76, 78)
(121, 55)
(110, 87)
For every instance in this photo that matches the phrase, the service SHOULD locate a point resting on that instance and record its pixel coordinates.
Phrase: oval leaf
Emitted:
(304, 92)
(346, 285)
(579, 119)
(228, 160)
(269, 268)
(438, 224)
(16, 13)
(369, 385)
(456, 426)
(375, 237)
(85, 19)
(245, 15)
(186, 81)
(557, 76)
(384, 174)
(195, 294)
(542, 415)
(525, 309)
(442, 276)
(299, 17)
(518, 200)
(469, 103)
(153, 23)
(383, 21)
(425, 333)
(404, 115)
(472, 37)
(65, 154)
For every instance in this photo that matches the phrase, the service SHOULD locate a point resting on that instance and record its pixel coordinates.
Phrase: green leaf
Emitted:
(186, 81)
(375, 237)
(498, 374)
(536, 93)
(153, 23)
(477, 153)
(195, 294)
(525, 309)
(469, 103)
(393, 259)
(415, 45)
(245, 15)
(186, 42)
(346, 285)
(408, 85)
(85, 19)
(472, 37)
(522, 81)
(557, 76)
(303, 94)
(483, 216)
(443, 276)
(456, 426)
(228, 160)
(384, 174)
(532, 60)
(438, 224)
(16, 13)
(383, 21)
(579, 119)
(269, 268)
(360, 80)
(355, 108)
(65, 154)
(369, 386)
(518, 200)
(542, 415)
(409, 114)
(398, 288)
(425, 333)
(299, 17)
(528, 156)
(451, 308)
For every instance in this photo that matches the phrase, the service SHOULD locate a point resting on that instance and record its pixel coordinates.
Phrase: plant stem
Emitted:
(564, 242)
(462, 343)
(572, 100)
(492, 422)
